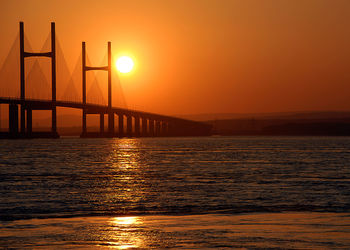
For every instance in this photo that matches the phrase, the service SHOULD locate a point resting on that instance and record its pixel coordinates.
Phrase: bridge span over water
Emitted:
(131, 123)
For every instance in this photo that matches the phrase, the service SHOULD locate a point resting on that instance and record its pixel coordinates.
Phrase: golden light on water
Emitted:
(126, 220)
(124, 158)
(124, 64)
(123, 234)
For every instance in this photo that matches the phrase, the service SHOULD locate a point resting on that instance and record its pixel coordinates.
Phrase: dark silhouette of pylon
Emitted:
(110, 112)
(28, 109)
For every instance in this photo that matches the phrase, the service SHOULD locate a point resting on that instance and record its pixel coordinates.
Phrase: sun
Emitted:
(124, 64)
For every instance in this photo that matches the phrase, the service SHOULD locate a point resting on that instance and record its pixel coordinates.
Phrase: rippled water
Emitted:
(73, 177)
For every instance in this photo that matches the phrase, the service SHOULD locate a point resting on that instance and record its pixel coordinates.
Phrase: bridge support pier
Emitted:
(13, 120)
(120, 125)
(144, 127)
(129, 126)
(161, 129)
(151, 127)
(84, 132)
(165, 129)
(158, 124)
(111, 123)
(137, 126)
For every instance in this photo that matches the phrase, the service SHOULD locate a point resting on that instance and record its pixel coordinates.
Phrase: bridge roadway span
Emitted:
(136, 123)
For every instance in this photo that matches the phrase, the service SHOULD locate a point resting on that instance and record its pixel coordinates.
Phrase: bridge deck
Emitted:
(92, 108)
(179, 126)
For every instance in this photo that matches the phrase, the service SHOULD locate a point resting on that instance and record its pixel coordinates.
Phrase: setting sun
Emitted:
(124, 64)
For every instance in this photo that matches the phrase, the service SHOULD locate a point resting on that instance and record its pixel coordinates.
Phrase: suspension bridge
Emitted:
(27, 91)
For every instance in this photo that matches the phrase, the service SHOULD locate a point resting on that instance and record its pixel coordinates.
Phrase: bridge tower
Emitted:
(109, 110)
(26, 109)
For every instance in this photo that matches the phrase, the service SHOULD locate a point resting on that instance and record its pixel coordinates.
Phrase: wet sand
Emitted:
(272, 230)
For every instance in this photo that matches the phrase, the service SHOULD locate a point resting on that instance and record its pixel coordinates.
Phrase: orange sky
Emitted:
(205, 56)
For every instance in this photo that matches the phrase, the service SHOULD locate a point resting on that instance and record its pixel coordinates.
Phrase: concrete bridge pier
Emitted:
(158, 124)
(167, 129)
(137, 126)
(144, 132)
(13, 120)
(163, 129)
(111, 123)
(84, 130)
(151, 127)
(120, 125)
(129, 126)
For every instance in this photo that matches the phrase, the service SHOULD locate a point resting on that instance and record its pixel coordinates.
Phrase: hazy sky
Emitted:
(203, 56)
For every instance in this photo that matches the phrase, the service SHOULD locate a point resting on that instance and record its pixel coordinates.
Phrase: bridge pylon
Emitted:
(109, 110)
(26, 108)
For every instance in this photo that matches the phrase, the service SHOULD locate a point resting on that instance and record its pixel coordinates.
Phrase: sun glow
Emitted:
(124, 64)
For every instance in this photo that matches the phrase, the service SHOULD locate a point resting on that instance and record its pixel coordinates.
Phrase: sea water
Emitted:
(203, 192)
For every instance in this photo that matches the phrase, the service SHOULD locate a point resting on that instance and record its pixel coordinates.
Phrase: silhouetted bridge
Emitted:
(131, 123)
(138, 123)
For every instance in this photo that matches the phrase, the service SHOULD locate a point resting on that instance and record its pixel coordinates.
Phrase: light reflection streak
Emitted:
(126, 220)
(124, 233)
(125, 153)
(125, 165)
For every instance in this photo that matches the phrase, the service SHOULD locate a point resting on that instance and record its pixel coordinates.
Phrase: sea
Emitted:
(241, 192)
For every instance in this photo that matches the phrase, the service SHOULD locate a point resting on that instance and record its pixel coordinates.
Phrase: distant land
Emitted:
(311, 123)
(274, 115)
(289, 124)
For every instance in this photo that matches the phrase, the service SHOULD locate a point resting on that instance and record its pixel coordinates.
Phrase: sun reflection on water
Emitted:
(126, 220)
(126, 172)
(124, 233)
(126, 186)
(125, 153)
